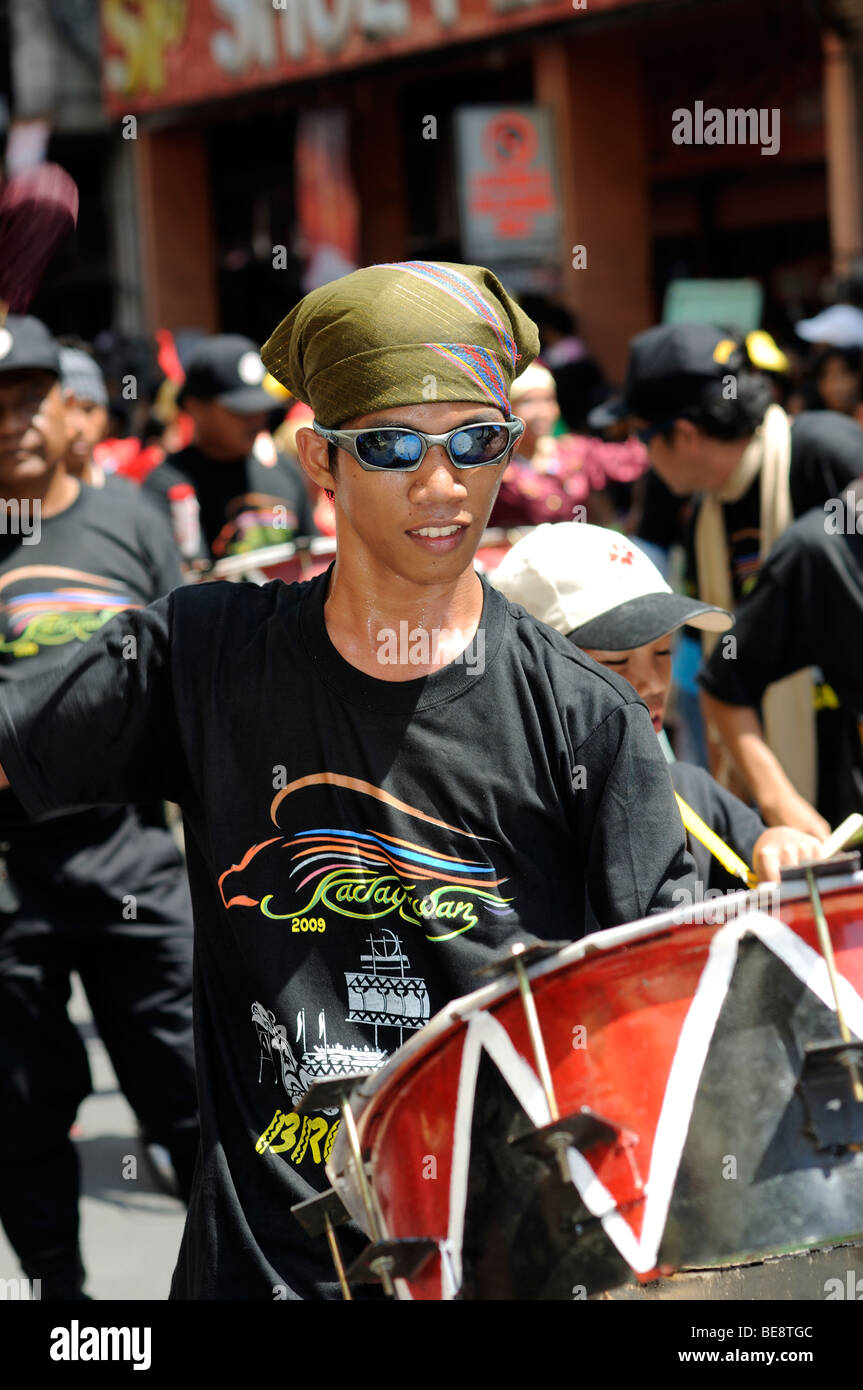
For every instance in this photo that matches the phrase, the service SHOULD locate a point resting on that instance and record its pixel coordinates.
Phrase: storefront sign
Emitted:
(159, 53)
(507, 182)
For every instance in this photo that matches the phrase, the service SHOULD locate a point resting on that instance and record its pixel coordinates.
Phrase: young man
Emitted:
(370, 816)
(86, 397)
(706, 417)
(608, 598)
(247, 494)
(806, 610)
(89, 889)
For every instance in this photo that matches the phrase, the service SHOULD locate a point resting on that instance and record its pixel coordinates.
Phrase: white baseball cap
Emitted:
(840, 326)
(597, 588)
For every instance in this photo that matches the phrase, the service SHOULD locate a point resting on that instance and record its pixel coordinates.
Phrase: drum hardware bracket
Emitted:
(581, 1130)
(336, 1092)
(385, 1260)
(847, 863)
(826, 1085)
(326, 1095)
(312, 1214)
(319, 1216)
(527, 955)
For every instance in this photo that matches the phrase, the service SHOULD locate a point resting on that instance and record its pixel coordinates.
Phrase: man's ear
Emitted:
(686, 433)
(312, 453)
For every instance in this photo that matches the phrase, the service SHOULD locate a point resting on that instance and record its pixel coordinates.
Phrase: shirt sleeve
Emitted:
(637, 857)
(736, 824)
(827, 455)
(776, 629)
(101, 728)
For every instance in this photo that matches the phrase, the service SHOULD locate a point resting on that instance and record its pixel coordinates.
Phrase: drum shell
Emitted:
(611, 1019)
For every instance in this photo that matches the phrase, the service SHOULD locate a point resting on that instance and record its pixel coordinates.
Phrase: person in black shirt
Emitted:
(706, 418)
(806, 610)
(248, 495)
(609, 599)
(388, 774)
(89, 889)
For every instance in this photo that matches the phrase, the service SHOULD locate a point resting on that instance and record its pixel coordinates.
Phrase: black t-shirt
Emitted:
(244, 505)
(106, 553)
(733, 821)
(806, 610)
(356, 849)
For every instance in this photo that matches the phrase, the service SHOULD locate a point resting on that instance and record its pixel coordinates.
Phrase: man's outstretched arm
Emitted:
(99, 729)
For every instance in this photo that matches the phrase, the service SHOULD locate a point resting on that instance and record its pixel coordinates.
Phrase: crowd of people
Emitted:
(130, 685)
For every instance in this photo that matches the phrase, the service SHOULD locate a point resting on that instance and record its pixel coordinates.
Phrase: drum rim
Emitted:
(607, 939)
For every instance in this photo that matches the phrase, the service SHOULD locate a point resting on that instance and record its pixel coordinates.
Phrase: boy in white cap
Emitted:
(609, 599)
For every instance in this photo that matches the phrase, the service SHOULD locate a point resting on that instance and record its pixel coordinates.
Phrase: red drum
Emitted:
(711, 1112)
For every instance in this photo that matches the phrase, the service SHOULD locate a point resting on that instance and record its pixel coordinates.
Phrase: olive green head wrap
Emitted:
(401, 334)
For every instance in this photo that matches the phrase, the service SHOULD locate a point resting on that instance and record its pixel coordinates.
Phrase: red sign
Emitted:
(159, 53)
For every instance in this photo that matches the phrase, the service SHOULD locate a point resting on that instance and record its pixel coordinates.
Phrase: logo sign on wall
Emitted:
(507, 183)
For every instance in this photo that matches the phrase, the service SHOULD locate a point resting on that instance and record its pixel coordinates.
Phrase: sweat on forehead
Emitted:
(400, 334)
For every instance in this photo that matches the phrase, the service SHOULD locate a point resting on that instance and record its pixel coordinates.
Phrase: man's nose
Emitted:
(437, 475)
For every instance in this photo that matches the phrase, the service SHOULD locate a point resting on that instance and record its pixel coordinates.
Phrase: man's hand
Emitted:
(782, 846)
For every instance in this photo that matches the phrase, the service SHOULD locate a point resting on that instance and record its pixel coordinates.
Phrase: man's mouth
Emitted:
(440, 540)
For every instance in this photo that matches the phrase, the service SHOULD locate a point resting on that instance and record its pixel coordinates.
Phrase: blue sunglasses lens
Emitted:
(388, 448)
(479, 444)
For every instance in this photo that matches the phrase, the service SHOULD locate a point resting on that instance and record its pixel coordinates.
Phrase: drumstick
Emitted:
(38, 208)
(841, 835)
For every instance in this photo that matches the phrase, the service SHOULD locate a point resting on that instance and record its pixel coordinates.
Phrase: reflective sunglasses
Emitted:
(392, 449)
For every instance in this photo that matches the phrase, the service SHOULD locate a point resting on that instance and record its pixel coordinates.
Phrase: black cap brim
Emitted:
(642, 620)
(608, 413)
(246, 400)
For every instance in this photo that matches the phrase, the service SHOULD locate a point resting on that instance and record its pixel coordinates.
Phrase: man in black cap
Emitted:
(248, 494)
(706, 416)
(86, 396)
(91, 889)
(388, 774)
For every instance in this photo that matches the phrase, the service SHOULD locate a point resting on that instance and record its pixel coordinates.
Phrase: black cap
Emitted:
(667, 371)
(228, 369)
(26, 345)
(645, 619)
